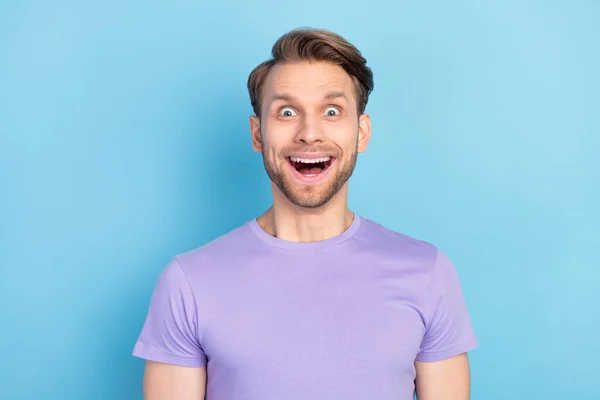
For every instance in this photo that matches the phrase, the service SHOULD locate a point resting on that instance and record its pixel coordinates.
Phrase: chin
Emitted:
(309, 202)
(309, 197)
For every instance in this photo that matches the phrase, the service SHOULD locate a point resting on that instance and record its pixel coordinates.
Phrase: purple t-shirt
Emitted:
(343, 318)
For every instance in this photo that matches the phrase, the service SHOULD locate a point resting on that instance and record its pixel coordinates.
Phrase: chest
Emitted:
(307, 325)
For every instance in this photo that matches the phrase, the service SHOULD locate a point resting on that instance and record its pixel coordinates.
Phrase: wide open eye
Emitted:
(287, 112)
(332, 111)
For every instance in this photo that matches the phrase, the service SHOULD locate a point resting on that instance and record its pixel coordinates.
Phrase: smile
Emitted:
(310, 170)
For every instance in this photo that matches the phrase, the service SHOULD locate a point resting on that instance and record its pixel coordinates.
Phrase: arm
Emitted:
(442, 366)
(172, 382)
(449, 379)
(169, 342)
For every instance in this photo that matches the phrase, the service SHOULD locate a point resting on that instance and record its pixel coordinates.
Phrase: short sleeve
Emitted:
(449, 331)
(170, 331)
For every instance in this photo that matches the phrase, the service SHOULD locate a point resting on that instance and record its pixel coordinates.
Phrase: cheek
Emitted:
(277, 138)
(272, 150)
(345, 136)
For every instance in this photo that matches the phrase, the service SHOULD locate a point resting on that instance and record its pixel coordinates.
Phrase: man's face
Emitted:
(309, 132)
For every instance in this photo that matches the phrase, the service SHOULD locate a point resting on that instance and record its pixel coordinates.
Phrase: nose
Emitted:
(310, 130)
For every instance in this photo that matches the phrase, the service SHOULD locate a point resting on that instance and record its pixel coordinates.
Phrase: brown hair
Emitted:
(308, 44)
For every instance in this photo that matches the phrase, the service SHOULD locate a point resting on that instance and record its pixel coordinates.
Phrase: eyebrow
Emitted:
(282, 97)
(335, 94)
(328, 96)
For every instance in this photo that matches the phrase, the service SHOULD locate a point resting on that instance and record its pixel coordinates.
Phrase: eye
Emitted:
(287, 112)
(332, 111)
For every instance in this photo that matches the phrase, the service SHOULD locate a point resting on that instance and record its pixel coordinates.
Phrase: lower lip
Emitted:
(311, 178)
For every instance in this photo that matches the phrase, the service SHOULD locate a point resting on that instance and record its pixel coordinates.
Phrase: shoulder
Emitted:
(426, 262)
(424, 268)
(219, 252)
(387, 242)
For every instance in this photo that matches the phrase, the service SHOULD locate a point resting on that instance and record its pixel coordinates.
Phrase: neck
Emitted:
(288, 221)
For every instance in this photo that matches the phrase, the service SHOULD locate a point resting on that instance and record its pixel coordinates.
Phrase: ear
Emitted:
(255, 133)
(364, 132)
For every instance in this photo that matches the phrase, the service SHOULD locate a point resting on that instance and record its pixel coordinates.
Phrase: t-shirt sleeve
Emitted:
(449, 331)
(170, 331)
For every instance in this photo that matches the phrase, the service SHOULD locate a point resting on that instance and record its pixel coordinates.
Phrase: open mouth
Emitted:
(310, 167)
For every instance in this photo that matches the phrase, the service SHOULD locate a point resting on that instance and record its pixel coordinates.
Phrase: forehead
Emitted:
(307, 81)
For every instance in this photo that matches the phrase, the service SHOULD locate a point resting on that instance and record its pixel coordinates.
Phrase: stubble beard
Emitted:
(310, 196)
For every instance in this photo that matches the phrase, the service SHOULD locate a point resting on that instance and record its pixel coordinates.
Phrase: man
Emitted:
(309, 300)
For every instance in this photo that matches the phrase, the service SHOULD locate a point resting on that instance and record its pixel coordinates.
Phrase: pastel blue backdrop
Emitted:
(124, 140)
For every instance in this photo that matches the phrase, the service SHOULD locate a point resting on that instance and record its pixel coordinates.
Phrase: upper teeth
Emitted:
(310, 160)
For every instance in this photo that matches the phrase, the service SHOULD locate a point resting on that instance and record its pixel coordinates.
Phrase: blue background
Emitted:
(124, 140)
